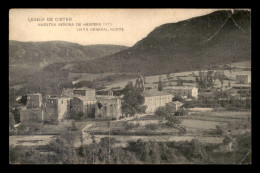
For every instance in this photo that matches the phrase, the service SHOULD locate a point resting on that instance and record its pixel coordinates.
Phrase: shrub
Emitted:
(173, 120)
(130, 125)
(219, 131)
(184, 112)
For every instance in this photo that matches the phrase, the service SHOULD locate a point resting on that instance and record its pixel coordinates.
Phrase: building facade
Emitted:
(182, 91)
(108, 107)
(176, 106)
(56, 109)
(81, 105)
(151, 87)
(243, 79)
(83, 100)
(85, 93)
(155, 99)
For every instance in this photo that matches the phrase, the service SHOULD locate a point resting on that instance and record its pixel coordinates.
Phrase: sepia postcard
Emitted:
(130, 86)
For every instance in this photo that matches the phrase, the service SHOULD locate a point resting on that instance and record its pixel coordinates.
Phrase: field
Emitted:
(200, 124)
(187, 76)
(77, 77)
(32, 140)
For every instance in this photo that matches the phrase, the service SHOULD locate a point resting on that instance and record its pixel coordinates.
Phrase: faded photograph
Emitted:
(130, 86)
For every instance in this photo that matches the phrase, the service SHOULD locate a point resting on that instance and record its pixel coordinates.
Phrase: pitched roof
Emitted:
(178, 103)
(175, 103)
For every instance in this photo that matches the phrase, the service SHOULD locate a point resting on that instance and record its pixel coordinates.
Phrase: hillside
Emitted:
(29, 58)
(197, 43)
(44, 53)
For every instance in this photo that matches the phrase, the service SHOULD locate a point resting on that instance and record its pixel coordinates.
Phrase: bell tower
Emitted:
(139, 84)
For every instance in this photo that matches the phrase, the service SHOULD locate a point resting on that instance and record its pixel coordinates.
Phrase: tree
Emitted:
(63, 147)
(23, 100)
(168, 76)
(16, 115)
(173, 120)
(179, 82)
(162, 111)
(210, 78)
(160, 85)
(11, 120)
(133, 100)
(73, 126)
(128, 88)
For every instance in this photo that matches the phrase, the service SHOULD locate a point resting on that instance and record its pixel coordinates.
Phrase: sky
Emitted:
(123, 26)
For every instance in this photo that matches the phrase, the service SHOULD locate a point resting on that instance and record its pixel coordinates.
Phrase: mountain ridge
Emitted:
(181, 46)
(48, 52)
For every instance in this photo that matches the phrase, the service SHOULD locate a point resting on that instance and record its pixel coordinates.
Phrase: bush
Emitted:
(184, 112)
(130, 125)
(162, 111)
(122, 117)
(219, 131)
(173, 120)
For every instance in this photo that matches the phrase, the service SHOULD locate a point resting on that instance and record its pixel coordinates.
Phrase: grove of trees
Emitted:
(133, 101)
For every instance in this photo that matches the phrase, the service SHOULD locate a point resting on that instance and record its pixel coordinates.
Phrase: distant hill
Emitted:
(197, 43)
(44, 53)
(28, 58)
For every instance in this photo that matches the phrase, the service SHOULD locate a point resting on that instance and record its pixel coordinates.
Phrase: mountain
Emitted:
(197, 43)
(29, 58)
(44, 53)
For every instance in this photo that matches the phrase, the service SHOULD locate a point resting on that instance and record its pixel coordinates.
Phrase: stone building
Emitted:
(151, 87)
(79, 92)
(139, 83)
(155, 99)
(34, 100)
(32, 112)
(108, 107)
(56, 109)
(176, 106)
(182, 91)
(243, 79)
(82, 105)
(85, 92)
(82, 100)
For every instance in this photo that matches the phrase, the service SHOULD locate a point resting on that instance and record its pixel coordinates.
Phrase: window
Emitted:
(62, 102)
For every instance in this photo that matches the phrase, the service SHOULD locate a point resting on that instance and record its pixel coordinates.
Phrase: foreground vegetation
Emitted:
(62, 151)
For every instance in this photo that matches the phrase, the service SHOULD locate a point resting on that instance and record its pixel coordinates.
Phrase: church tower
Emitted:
(139, 84)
